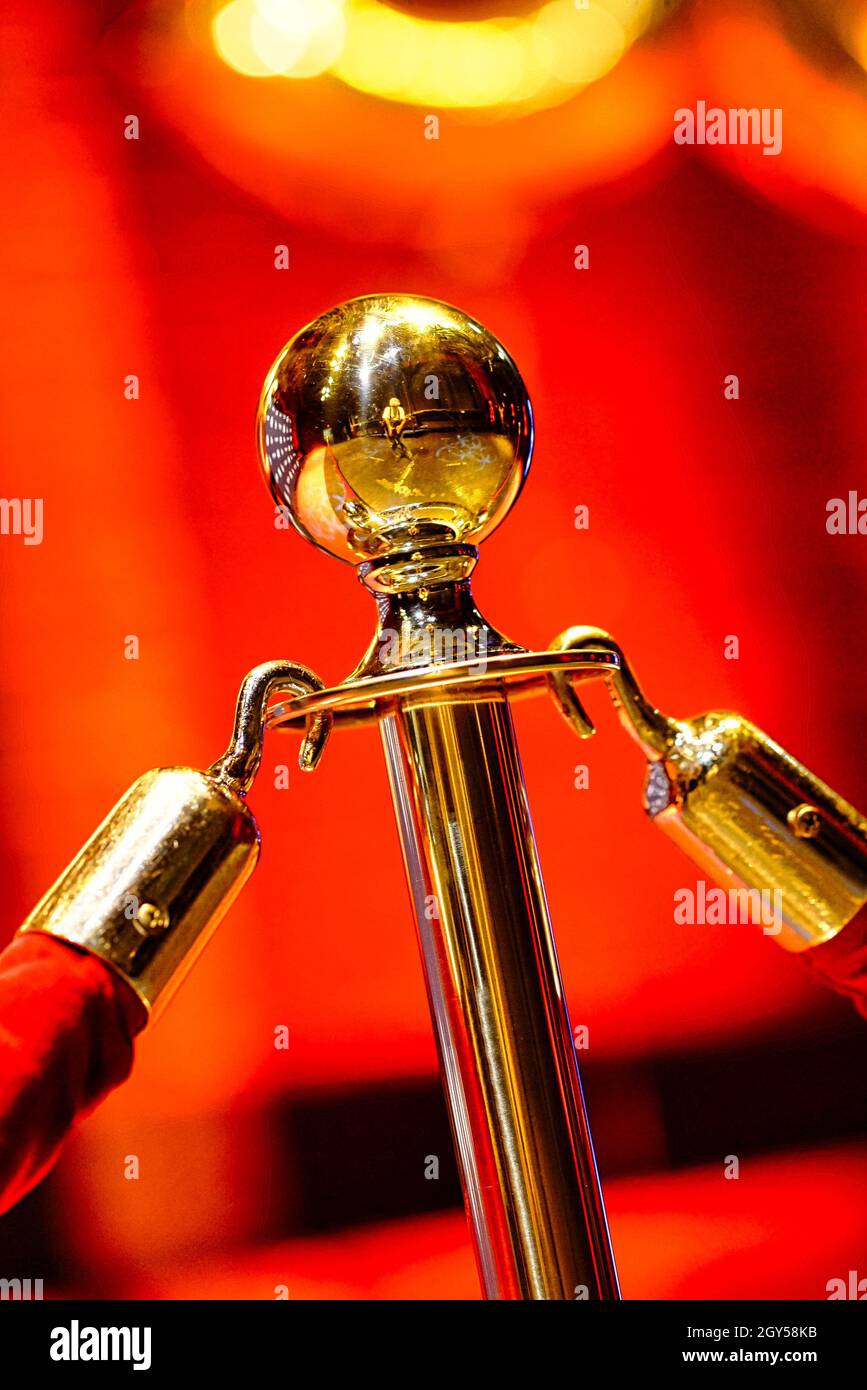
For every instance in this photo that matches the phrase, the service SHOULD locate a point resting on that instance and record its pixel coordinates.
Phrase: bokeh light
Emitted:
(285, 38)
(540, 58)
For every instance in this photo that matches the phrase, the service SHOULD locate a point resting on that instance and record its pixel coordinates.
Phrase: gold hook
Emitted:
(642, 720)
(240, 762)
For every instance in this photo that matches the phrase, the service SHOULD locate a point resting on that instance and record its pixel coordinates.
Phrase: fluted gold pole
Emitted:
(506, 1051)
(395, 433)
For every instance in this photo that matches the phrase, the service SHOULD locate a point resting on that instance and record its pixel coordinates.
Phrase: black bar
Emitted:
(258, 1340)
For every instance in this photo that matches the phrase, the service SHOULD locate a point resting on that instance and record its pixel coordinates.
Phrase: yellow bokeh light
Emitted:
(435, 63)
(577, 46)
(304, 36)
(543, 55)
(633, 16)
(233, 40)
(278, 49)
(368, 58)
(487, 65)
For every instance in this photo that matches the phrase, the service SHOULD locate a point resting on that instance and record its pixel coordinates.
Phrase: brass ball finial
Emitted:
(394, 422)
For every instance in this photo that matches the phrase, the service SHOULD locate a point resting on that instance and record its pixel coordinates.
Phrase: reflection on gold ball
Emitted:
(392, 422)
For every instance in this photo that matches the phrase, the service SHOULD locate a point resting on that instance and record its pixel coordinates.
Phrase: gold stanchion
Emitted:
(396, 433)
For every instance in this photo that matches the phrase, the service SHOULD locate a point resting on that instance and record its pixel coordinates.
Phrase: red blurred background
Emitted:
(304, 1167)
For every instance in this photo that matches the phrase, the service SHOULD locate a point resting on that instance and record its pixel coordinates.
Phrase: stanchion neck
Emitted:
(427, 615)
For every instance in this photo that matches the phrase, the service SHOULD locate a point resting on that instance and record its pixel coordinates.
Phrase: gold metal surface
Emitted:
(747, 812)
(394, 420)
(151, 884)
(239, 764)
(505, 1043)
(367, 698)
(153, 881)
(397, 433)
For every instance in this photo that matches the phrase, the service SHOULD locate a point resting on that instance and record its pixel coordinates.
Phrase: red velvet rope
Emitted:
(67, 1024)
(842, 961)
